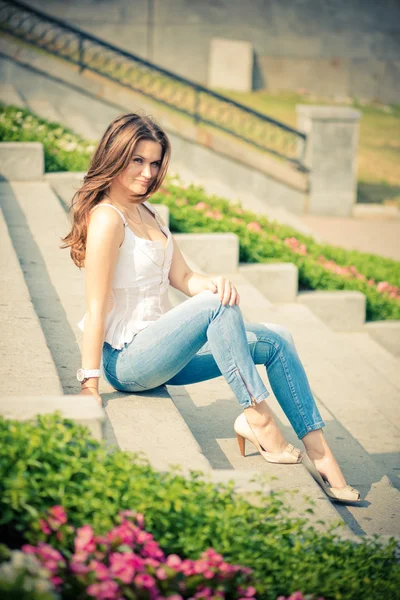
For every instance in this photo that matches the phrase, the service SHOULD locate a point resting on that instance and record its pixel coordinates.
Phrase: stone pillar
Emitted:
(331, 150)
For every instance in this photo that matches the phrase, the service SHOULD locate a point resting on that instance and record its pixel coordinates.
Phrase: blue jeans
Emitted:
(201, 339)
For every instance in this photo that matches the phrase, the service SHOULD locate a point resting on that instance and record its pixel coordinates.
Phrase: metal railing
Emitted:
(183, 95)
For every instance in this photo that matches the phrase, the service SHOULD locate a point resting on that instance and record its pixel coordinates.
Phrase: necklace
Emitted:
(127, 216)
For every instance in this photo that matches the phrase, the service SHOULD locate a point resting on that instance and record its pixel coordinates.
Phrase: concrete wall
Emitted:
(329, 47)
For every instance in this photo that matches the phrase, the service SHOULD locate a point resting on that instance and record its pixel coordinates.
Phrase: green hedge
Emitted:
(55, 461)
(65, 150)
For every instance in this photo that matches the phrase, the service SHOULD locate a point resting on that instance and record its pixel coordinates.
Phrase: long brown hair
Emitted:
(112, 155)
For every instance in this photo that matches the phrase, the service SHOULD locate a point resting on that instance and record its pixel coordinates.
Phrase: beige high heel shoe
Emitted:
(243, 430)
(345, 494)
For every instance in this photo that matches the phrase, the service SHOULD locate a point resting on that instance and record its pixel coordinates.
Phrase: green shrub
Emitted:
(269, 245)
(64, 150)
(55, 461)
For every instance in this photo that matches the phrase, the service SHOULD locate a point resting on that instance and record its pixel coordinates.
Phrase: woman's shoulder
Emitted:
(105, 213)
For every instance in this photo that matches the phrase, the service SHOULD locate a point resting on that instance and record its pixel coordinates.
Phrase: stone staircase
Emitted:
(83, 101)
(355, 381)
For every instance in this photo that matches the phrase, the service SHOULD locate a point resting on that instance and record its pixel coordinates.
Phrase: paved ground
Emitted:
(374, 233)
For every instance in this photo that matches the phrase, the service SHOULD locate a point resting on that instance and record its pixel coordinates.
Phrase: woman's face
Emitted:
(143, 168)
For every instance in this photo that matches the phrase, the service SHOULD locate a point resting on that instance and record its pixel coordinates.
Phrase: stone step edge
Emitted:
(28, 318)
(85, 410)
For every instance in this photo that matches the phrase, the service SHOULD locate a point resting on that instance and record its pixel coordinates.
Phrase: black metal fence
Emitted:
(183, 95)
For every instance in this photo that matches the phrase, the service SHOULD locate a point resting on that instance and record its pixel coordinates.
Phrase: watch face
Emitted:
(80, 375)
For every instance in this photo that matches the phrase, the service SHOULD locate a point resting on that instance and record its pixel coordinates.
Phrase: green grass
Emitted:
(379, 142)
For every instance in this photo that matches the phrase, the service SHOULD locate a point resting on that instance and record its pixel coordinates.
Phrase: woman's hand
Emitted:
(226, 290)
(90, 391)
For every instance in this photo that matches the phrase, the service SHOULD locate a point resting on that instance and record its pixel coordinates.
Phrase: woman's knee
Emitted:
(207, 299)
(283, 334)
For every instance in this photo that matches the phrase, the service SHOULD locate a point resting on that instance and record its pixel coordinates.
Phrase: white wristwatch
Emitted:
(83, 375)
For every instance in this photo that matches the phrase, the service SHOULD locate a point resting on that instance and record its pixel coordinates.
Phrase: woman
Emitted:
(130, 258)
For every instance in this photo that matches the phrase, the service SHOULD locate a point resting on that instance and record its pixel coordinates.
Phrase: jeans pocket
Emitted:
(107, 354)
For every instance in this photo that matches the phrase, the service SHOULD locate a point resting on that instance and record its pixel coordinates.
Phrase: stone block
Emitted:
(390, 91)
(21, 161)
(85, 410)
(277, 281)
(332, 139)
(386, 333)
(213, 252)
(340, 310)
(231, 65)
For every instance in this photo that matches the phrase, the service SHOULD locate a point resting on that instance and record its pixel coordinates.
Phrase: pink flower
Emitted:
(161, 573)
(78, 568)
(44, 527)
(100, 570)
(28, 549)
(58, 514)
(250, 591)
(153, 550)
(200, 566)
(212, 556)
(56, 580)
(174, 561)
(125, 565)
(200, 206)
(208, 574)
(85, 539)
(144, 580)
(143, 537)
(254, 226)
(105, 590)
(47, 553)
(122, 534)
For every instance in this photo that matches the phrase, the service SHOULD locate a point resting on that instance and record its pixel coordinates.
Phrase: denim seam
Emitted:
(108, 374)
(236, 368)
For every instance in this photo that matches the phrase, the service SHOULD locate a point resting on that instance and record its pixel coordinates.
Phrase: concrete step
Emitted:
(10, 95)
(26, 365)
(43, 108)
(84, 410)
(21, 161)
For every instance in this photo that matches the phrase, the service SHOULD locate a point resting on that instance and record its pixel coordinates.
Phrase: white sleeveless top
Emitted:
(139, 292)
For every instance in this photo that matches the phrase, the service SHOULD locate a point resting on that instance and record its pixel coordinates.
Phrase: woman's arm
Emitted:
(191, 283)
(105, 235)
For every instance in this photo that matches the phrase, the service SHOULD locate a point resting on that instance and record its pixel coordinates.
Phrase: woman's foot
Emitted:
(323, 458)
(265, 429)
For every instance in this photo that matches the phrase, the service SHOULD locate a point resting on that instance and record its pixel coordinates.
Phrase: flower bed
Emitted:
(321, 266)
(52, 469)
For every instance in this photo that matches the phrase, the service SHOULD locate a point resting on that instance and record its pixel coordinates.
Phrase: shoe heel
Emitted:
(241, 441)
